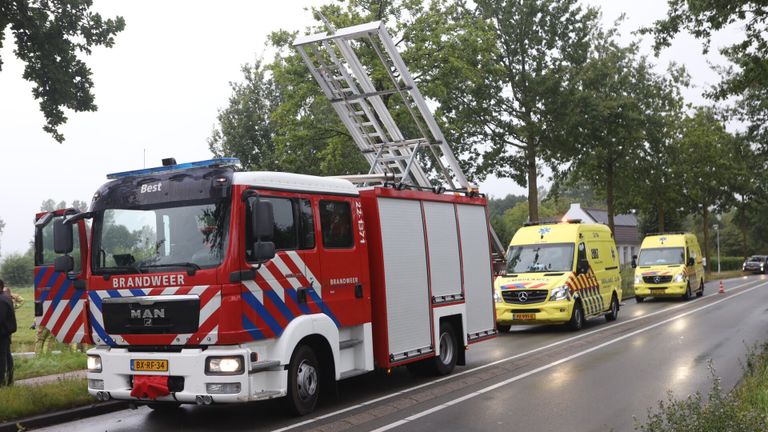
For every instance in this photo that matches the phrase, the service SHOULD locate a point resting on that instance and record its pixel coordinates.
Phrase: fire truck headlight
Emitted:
(560, 293)
(497, 297)
(94, 363)
(679, 277)
(231, 365)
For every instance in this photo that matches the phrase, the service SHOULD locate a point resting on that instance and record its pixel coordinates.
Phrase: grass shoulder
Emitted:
(18, 402)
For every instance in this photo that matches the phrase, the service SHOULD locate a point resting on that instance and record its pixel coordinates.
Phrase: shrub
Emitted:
(727, 263)
(18, 270)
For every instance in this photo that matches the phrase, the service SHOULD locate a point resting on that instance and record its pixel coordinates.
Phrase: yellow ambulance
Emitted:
(669, 265)
(559, 273)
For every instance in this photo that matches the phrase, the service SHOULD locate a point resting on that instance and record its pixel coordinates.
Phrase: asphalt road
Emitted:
(534, 378)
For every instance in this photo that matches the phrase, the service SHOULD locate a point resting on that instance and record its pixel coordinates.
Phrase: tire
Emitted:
(445, 360)
(503, 328)
(639, 299)
(687, 295)
(577, 317)
(614, 312)
(303, 381)
(700, 292)
(164, 406)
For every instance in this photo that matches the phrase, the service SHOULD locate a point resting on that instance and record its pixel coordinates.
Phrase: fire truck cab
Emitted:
(209, 285)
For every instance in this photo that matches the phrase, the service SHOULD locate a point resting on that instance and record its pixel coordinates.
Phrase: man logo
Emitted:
(147, 313)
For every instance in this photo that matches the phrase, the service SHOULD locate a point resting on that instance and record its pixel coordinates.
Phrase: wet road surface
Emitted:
(534, 378)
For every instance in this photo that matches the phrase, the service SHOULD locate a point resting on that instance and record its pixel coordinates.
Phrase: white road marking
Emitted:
(556, 363)
(454, 376)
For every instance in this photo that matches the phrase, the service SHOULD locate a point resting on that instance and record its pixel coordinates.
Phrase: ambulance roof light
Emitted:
(172, 166)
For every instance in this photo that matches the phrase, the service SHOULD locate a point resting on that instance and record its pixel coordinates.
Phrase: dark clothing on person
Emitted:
(7, 328)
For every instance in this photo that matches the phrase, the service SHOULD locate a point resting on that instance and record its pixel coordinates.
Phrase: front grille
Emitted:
(173, 316)
(524, 296)
(657, 279)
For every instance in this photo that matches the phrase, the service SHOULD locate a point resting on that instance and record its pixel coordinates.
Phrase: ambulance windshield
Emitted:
(661, 256)
(162, 239)
(540, 258)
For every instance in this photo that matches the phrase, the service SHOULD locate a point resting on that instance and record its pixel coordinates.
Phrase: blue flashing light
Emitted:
(219, 162)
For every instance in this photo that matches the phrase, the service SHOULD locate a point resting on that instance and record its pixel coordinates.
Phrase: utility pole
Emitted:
(717, 230)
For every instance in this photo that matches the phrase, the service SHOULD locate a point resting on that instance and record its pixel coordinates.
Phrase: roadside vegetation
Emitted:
(17, 402)
(744, 409)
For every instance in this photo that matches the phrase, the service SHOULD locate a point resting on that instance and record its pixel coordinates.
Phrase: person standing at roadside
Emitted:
(7, 328)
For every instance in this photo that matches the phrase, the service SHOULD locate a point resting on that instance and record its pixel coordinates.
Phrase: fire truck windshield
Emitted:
(540, 258)
(161, 239)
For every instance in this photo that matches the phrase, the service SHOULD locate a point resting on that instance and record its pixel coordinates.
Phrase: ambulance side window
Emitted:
(336, 224)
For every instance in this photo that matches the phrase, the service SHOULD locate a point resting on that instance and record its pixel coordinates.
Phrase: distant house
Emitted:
(626, 228)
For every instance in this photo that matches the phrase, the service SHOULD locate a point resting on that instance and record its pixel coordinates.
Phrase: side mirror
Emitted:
(63, 242)
(582, 267)
(634, 262)
(263, 230)
(691, 261)
(262, 220)
(63, 264)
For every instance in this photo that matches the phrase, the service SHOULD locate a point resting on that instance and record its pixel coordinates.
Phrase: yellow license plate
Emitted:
(523, 316)
(149, 365)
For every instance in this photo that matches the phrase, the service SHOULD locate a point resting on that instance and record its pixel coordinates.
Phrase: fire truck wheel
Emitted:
(445, 360)
(577, 317)
(614, 312)
(164, 406)
(701, 289)
(303, 381)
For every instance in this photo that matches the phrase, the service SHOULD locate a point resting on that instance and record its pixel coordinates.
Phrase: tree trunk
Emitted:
(533, 191)
(743, 229)
(609, 195)
(705, 231)
(660, 211)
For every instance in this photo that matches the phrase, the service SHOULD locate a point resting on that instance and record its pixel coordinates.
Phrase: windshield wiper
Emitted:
(109, 271)
(191, 267)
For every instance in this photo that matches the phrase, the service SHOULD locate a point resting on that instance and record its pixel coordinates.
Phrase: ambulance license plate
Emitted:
(658, 290)
(523, 316)
(149, 365)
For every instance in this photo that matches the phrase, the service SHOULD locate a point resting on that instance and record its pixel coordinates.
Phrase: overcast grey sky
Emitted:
(160, 86)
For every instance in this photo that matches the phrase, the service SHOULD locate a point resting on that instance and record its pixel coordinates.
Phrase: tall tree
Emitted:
(502, 82)
(620, 117)
(707, 153)
(245, 128)
(51, 36)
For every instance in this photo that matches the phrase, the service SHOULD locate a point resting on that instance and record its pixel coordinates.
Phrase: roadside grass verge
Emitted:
(48, 364)
(744, 409)
(714, 276)
(17, 402)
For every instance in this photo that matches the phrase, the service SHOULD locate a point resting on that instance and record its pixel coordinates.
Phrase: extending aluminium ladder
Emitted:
(363, 107)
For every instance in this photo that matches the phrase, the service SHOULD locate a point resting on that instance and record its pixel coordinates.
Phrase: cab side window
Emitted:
(294, 225)
(336, 224)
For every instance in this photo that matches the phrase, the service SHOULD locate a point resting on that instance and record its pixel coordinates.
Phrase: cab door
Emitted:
(61, 300)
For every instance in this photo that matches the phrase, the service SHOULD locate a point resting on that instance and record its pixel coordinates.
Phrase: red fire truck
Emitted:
(200, 283)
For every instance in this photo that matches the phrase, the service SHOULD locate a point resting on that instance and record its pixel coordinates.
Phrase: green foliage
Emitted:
(17, 270)
(51, 36)
(48, 364)
(727, 263)
(513, 218)
(18, 402)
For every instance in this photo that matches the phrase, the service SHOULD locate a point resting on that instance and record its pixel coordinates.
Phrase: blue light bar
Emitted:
(164, 169)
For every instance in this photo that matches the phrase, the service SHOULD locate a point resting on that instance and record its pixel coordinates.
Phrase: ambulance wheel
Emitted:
(164, 406)
(303, 381)
(639, 299)
(687, 295)
(701, 289)
(577, 317)
(445, 360)
(614, 312)
(503, 328)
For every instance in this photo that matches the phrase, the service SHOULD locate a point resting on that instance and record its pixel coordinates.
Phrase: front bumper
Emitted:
(672, 289)
(548, 312)
(260, 380)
